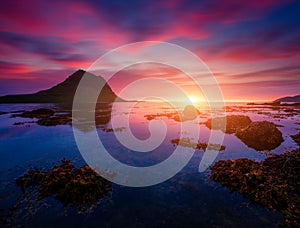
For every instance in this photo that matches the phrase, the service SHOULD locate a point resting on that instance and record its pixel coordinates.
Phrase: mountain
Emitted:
(289, 99)
(63, 92)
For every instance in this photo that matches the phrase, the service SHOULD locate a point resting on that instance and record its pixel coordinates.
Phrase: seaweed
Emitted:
(55, 120)
(273, 183)
(296, 138)
(169, 115)
(186, 142)
(189, 113)
(37, 113)
(118, 129)
(233, 123)
(79, 187)
(46, 117)
(261, 135)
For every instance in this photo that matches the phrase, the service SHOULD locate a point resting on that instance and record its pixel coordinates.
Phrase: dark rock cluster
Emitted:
(77, 187)
(260, 135)
(233, 123)
(273, 183)
(46, 117)
(296, 138)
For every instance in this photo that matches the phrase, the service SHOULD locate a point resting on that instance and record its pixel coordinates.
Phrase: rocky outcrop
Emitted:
(261, 135)
(233, 123)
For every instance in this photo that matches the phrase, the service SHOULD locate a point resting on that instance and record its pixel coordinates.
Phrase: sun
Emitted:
(194, 99)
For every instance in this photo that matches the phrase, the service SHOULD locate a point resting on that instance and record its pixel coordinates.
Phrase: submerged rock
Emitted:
(296, 138)
(37, 113)
(190, 112)
(272, 183)
(233, 123)
(187, 142)
(46, 117)
(77, 187)
(55, 120)
(169, 115)
(262, 135)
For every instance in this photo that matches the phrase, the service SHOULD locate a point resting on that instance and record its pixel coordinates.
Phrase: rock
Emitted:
(233, 123)
(186, 142)
(55, 120)
(117, 129)
(76, 187)
(22, 123)
(296, 138)
(169, 115)
(37, 113)
(272, 183)
(190, 112)
(262, 135)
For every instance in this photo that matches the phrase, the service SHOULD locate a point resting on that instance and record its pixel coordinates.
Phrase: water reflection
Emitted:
(89, 118)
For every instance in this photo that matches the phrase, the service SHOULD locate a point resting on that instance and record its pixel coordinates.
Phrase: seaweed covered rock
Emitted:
(262, 135)
(189, 112)
(55, 120)
(77, 187)
(169, 115)
(233, 123)
(46, 117)
(272, 183)
(296, 138)
(187, 142)
(37, 113)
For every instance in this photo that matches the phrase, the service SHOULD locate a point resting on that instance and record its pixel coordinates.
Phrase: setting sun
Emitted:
(194, 99)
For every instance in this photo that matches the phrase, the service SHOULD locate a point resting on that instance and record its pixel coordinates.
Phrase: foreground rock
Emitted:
(272, 183)
(261, 135)
(76, 187)
(233, 123)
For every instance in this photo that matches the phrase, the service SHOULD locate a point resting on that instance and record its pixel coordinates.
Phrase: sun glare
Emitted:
(194, 99)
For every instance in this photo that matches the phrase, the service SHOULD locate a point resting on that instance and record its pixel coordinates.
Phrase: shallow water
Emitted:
(189, 198)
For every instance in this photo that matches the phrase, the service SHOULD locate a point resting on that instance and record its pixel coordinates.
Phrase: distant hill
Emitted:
(289, 99)
(63, 92)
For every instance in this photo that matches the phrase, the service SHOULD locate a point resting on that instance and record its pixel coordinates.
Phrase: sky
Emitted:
(251, 47)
